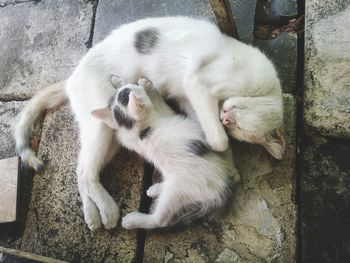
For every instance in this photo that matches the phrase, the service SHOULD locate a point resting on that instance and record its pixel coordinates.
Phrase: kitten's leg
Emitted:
(154, 190)
(206, 107)
(166, 205)
(97, 147)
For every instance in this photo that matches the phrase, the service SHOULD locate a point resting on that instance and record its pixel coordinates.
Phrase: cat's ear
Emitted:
(116, 81)
(105, 115)
(275, 144)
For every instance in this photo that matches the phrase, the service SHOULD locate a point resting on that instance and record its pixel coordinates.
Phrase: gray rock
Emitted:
(55, 226)
(41, 44)
(327, 78)
(260, 226)
(244, 13)
(325, 201)
(282, 50)
(113, 13)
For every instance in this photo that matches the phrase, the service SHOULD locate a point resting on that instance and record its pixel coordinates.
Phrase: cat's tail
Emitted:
(46, 98)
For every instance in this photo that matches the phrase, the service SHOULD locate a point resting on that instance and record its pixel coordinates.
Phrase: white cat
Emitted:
(197, 181)
(212, 76)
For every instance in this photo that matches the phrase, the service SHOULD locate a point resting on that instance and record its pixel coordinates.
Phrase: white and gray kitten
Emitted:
(196, 181)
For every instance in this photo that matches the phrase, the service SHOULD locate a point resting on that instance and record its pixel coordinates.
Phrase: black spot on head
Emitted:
(146, 40)
(198, 147)
(145, 133)
(123, 96)
(122, 119)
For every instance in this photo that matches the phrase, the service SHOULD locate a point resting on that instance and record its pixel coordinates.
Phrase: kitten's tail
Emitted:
(46, 98)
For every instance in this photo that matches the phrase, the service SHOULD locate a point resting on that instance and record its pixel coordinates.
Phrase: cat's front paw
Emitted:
(218, 139)
(132, 220)
(109, 214)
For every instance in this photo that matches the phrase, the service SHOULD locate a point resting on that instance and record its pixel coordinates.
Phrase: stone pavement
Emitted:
(45, 47)
(325, 180)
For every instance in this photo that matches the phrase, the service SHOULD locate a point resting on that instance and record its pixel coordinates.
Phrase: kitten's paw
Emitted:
(145, 83)
(132, 220)
(109, 214)
(218, 140)
(154, 190)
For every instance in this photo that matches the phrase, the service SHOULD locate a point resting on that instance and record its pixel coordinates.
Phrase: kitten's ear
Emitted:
(275, 144)
(116, 81)
(105, 115)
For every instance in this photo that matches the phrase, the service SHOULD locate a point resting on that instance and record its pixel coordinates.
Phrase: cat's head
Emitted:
(129, 104)
(255, 120)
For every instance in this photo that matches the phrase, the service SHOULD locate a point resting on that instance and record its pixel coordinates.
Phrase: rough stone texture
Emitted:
(113, 13)
(325, 201)
(8, 113)
(55, 226)
(327, 75)
(261, 224)
(244, 13)
(41, 44)
(282, 50)
(8, 189)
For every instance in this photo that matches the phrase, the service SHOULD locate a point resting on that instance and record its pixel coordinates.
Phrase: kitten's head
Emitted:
(129, 104)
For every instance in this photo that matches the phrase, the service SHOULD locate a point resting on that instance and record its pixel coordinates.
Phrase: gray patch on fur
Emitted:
(145, 133)
(146, 40)
(198, 147)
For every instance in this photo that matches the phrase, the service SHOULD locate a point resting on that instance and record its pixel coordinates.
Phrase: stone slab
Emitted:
(244, 13)
(113, 13)
(55, 226)
(262, 223)
(8, 189)
(327, 68)
(42, 42)
(283, 52)
(325, 201)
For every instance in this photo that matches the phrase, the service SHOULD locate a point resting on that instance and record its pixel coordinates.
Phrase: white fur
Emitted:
(193, 62)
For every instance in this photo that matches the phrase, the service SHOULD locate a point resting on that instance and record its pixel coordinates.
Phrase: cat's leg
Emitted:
(154, 190)
(97, 148)
(166, 205)
(205, 104)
